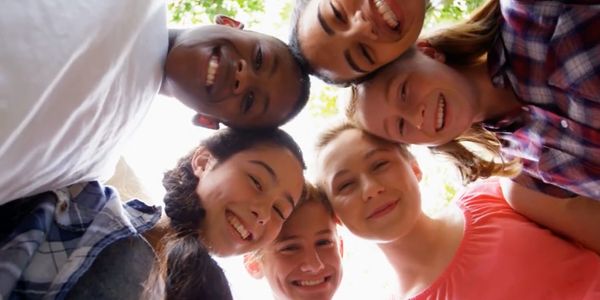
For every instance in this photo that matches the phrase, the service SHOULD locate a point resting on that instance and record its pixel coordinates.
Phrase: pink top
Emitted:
(503, 255)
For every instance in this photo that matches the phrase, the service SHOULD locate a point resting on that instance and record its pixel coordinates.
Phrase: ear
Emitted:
(205, 121)
(228, 21)
(416, 169)
(200, 160)
(426, 48)
(253, 266)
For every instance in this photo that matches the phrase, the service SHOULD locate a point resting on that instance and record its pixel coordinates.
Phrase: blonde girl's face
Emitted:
(372, 187)
(359, 35)
(247, 198)
(417, 100)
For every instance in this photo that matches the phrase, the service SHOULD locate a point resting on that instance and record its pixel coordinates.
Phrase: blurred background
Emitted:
(167, 135)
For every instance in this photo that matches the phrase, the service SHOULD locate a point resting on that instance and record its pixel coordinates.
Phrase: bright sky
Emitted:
(167, 134)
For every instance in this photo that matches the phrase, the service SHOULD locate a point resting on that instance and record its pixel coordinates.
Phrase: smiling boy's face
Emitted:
(239, 78)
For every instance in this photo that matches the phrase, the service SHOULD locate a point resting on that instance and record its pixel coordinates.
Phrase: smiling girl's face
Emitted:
(359, 35)
(247, 197)
(372, 187)
(417, 100)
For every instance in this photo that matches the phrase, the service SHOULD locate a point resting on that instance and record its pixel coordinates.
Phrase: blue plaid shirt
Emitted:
(60, 233)
(549, 53)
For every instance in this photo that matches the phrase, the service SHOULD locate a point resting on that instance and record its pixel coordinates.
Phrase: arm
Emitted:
(577, 218)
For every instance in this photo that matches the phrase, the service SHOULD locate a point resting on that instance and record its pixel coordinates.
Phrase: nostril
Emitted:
(239, 66)
(237, 84)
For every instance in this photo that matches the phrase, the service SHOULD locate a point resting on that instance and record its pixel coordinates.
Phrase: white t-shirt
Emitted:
(76, 80)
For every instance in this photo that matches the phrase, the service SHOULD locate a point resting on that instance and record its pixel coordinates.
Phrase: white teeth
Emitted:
(386, 12)
(310, 282)
(211, 71)
(235, 222)
(440, 112)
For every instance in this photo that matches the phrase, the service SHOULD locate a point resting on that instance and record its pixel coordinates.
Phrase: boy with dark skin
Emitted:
(87, 91)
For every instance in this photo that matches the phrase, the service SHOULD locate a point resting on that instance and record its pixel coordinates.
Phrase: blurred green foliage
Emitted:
(190, 12)
(449, 11)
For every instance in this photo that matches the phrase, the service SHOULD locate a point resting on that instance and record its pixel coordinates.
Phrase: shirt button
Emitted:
(564, 123)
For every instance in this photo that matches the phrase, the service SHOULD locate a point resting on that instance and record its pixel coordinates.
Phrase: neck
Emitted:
(419, 257)
(493, 101)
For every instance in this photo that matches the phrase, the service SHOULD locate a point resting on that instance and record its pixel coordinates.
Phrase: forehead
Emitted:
(313, 39)
(307, 220)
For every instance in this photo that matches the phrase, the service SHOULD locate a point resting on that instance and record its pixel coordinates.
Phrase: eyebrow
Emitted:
(267, 168)
(274, 178)
(295, 236)
(324, 24)
(352, 63)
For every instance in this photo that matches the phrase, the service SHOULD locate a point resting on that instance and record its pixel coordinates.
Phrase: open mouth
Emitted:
(311, 283)
(441, 113)
(237, 225)
(213, 65)
(387, 14)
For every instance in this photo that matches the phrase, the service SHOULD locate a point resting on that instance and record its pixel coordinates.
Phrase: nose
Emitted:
(415, 115)
(371, 188)
(361, 27)
(243, 76)
(312, 263)
(261, 210)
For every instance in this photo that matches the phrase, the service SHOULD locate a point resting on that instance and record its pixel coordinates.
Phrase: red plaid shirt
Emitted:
(549, 53)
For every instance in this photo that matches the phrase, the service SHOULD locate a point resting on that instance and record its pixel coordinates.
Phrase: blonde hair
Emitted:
(467, 42)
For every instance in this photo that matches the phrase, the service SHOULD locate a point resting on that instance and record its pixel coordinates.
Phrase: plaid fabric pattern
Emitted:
(549, 53)
(58, 234)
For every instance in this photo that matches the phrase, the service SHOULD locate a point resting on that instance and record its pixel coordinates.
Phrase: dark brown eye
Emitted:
(247, 102)
(365, 52)
(338, 15)
(258, 59)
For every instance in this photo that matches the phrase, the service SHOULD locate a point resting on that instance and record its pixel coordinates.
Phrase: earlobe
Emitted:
(426, 48)
(205, 121)
(228, 21)
(253, 266)
(200, 160)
